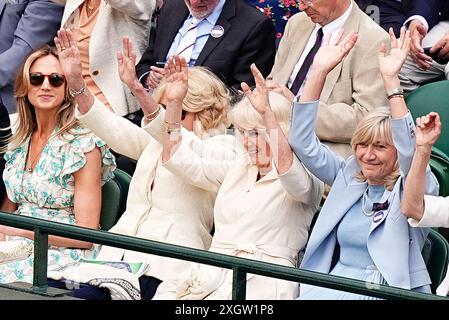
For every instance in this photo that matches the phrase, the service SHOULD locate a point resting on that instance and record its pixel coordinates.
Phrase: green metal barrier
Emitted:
(240, 266)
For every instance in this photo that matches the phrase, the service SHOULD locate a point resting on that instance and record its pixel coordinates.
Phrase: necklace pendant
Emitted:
(29, 169)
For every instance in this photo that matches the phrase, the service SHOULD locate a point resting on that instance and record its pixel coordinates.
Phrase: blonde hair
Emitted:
(374, 128)
(207, 97)
(25, 110)
(246, 117)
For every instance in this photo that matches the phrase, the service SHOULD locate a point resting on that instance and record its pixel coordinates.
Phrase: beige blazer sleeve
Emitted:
(136, 9)
(301, 185)
(436, 213)
(120, 134)
(203, 163)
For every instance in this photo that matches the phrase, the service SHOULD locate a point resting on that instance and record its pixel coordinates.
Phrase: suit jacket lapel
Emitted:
(303, 33)
(351, 24)
(167, 35)
(227, 13)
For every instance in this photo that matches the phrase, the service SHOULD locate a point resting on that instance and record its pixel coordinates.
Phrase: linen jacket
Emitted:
(160, 206)
(393, 245)
(436, 214)
(116, 19)
(266, 219)
(352, 89)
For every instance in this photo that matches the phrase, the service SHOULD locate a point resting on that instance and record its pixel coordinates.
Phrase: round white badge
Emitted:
(217, 31)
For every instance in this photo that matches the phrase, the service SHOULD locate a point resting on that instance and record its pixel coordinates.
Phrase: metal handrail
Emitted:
(240, 266)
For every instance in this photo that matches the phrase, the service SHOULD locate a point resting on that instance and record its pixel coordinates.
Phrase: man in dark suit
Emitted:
(388, 13)
(25, 25)
(429, 28)
(231, 35)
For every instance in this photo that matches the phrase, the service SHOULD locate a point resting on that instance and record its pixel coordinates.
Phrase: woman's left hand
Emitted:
(259, 96)
(10, 231)
(69, 57)
(127, 65)
(428, 130)
(176, 71)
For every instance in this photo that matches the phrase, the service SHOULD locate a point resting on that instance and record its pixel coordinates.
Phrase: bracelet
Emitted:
(172, 127)
(74, 93)
(396, 92)
(395, 96)
(151, 116)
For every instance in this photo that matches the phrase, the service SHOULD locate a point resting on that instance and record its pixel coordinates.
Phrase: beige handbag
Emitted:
(11, 250)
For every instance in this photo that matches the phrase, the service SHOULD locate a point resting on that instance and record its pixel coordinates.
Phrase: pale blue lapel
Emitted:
(2, 5)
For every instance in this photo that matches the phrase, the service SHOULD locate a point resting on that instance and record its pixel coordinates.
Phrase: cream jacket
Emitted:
(161, 206)
(116, 19)
(265, 220)
(436, 214)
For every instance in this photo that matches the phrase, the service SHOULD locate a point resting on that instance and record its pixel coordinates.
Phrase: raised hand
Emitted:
(332, 52)
(281, 89)
(176, 77)
(69, 57)
(390, 65)
(428, 130)
(259, 96)
(127, 65)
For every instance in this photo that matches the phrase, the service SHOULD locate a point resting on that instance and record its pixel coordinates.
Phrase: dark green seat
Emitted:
(436, 255)
(440, 168)
(113, 199)
(433, 97)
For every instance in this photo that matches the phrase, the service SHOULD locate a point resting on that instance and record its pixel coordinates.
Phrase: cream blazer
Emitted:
(161, 206)
(436, 214)
(352, 89)
(117, 18)
(266, 220)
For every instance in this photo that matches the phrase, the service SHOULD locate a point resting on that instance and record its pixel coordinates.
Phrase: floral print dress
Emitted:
(48, 192)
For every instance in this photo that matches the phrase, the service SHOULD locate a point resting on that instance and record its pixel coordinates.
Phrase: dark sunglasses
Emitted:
(55, 79)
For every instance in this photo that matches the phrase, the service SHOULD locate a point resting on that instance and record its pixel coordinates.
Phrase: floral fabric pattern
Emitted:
(48, 192)
(279, 11)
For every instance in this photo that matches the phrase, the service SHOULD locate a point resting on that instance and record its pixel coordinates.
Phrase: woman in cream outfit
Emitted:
(161, 206)
(425, 210)
(266, 198)
(99, 26)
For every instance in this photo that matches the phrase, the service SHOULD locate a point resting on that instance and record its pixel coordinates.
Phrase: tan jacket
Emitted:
(352, 89)
(117, 18)
(161, 206)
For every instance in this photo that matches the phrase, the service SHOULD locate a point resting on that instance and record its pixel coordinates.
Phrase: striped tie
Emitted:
(187, 42)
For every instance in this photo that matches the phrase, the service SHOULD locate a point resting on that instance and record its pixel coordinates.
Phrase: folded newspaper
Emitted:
(11, 250)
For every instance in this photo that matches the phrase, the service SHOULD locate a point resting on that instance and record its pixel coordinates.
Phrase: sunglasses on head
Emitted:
(55, 79)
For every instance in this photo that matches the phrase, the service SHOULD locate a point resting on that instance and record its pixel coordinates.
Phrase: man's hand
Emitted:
(417, 32)
(442, 46)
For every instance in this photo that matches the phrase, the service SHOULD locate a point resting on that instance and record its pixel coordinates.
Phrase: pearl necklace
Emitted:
(365, 195)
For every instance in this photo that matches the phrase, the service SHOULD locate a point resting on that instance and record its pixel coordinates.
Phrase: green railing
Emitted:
(240, 266)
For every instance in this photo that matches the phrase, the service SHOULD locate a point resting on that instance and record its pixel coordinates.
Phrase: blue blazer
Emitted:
(394, 246)
(25, 25)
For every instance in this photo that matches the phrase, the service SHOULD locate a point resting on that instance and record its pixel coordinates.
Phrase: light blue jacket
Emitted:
(394, 246)
(25, 25)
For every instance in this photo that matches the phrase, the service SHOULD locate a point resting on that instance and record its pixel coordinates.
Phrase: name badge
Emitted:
(217, 31)
(378, 216)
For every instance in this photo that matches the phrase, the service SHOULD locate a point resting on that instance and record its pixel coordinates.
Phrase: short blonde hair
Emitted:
(246, 117)
(376, 127)
(207, 97)
(25, 110)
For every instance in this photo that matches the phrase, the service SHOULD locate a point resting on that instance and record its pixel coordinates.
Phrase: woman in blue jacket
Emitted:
(360, 232)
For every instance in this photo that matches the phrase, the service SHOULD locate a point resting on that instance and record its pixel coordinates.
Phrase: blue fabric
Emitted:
(390, 238)
(25, 26)
(279, 11)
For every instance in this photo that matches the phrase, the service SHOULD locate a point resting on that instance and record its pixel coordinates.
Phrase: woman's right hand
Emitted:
(428, 130)
(176, 86)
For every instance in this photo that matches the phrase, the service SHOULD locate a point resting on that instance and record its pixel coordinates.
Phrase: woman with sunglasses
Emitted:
(54, 168)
